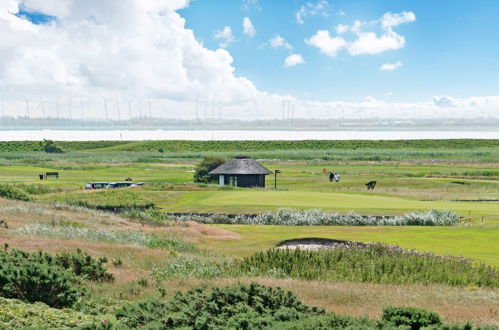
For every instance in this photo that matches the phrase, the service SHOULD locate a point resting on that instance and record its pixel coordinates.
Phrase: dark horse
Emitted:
(370, 185)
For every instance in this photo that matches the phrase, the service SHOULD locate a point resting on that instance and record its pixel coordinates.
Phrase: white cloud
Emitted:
(445, 101)
(312, 9)
(225, 36)
(365, 42)
(248, 27)
(342, 28)
(292, 60)
(327, 44)
(390, 20)
(390, 66)
(370, 43)
(126, 49)
(247, 4)
(279, 42)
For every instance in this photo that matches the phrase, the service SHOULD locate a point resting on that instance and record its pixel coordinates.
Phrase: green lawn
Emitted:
(363, 203)
(480, 243)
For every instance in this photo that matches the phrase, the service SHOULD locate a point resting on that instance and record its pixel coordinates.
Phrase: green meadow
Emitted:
(455, 175)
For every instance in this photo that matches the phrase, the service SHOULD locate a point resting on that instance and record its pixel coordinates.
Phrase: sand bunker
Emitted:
(318, 244)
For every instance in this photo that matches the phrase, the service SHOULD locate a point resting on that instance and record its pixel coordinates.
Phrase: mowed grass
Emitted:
(363, 203)
(479, 243)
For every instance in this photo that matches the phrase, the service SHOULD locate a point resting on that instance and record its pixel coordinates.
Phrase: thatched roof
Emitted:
(241, 165)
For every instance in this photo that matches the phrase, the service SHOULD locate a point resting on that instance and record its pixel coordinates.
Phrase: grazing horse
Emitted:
(370, 185)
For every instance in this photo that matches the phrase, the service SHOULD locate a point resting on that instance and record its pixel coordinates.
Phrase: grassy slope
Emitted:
(479, 305)
(478, 243)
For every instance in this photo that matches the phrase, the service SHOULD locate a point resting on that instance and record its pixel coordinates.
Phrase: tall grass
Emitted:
(97, 235)
(375, 263)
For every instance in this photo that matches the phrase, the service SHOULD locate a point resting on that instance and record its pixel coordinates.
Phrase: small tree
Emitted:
(207, 164)
(50, 147)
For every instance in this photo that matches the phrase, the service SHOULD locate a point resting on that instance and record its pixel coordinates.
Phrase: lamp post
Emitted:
(275, 178)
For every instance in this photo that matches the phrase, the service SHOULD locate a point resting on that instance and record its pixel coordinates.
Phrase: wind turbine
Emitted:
(70, 104)
(42, 105)
(129, 108)
(105, 109)
(26, 100)
(197, 107)
(81, 108)
(118, 107)
(57, 107)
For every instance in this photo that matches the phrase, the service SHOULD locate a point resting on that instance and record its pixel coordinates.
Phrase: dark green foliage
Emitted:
(202, 169)
(235, 307)
(54, 280)
(51, 147)
(327, 322)
(415, 318)
(374, 263)
(239, 146)
(30, 278)
(10, 192)
(84, 265)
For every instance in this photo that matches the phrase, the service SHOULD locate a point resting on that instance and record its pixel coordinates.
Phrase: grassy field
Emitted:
(460, 176)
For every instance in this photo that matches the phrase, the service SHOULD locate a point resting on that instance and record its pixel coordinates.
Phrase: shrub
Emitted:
(16, 314)
(84, 265)
(9, 192)
(328, 322)
(375, 263)
(50, 146)
(30, 277)
(415, 318)
(38, 276)
(241, 307)
(208, 164)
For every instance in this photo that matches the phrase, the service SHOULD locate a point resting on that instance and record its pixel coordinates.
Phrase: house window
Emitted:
(233, 181)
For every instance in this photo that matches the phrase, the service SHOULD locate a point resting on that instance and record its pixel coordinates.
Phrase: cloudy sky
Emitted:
(248, 59)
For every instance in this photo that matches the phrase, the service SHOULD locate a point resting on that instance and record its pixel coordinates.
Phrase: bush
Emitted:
(328, 322)
(208, 164)
(415, 318)
(49, 146)
(9, 192)
(236, 307)
(30, 277)
(16, 314)
(82, 264)
(54, 280)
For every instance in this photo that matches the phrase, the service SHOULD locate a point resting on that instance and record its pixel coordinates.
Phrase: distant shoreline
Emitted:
(241, 135)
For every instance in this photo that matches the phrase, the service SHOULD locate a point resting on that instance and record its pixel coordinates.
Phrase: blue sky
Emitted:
(329, 58)
(450, 49)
